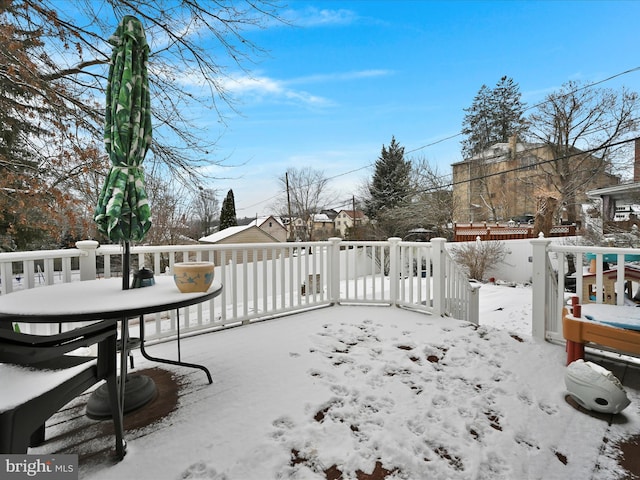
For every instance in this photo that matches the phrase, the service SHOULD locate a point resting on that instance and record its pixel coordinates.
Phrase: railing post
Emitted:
(7, 277)
(439, 274)
(394, 268)
(334, 275)
(473, 315)
(87, 259)
(539, 288)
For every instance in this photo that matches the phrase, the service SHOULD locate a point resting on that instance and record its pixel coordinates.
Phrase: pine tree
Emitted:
(494, 116)
(508, 110)
(390, 185)
(228, 213)
(476, 124)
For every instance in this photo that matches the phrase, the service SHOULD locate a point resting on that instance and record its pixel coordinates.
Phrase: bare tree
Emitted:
(583, 126)
(206, 207)
(193, 46)
(547, 205)
(433, 195)
(304, 192)
(54, 60)
(171, 213)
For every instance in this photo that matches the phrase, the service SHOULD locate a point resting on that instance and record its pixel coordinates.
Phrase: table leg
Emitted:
(124, 352)
(166, 360)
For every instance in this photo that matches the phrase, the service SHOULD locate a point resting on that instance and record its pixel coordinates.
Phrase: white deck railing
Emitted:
(549, 278)
(262, 281)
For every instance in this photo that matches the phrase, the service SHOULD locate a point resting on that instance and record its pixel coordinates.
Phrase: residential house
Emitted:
(331, 213)
(300, 229)
(241, 234)
(273, 226)
(618, 208)
(626, 212)
(506, 180)
(321, 227)
(347, 220)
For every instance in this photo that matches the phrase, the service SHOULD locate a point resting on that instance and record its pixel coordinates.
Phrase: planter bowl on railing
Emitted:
(193, 276)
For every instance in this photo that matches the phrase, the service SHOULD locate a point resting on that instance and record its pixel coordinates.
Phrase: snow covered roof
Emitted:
(253, 234)
(321, 218)
(226, 233)
(352, 214)
(259, 221)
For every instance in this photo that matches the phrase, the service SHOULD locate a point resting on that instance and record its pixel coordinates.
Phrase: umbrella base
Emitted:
(139, 390)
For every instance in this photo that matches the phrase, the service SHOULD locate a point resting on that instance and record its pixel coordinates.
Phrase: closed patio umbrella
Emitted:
(123, 212)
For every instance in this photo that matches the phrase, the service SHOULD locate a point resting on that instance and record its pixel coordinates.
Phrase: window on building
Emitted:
(529, 162)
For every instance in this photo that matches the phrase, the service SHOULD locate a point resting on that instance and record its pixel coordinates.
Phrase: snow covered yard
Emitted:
(375, 392)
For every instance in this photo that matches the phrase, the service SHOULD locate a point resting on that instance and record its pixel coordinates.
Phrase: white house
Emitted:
(347, 219)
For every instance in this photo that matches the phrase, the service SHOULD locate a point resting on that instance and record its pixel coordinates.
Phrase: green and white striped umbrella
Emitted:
(123, 212)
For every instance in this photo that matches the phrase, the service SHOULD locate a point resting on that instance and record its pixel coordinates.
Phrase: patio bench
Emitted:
(579, 331)
(40, 374)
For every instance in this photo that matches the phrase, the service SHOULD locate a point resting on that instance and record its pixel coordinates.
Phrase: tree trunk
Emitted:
(544, 216)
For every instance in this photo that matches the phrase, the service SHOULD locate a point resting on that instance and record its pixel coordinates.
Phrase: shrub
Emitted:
(479, 257)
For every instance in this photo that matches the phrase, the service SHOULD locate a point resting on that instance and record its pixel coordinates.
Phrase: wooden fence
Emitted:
(468, 232)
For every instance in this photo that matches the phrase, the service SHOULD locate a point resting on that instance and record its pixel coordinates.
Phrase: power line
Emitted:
(444, 139)
(445, 186)
(310, 185)
(532, 148)
(524, 167)
(537, 105)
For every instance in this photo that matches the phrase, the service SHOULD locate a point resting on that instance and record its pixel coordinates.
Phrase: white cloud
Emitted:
(314, 17)
(341, 76)
(265, 87)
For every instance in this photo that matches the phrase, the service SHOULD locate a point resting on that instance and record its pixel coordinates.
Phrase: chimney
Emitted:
(513, 145)
(636, 162)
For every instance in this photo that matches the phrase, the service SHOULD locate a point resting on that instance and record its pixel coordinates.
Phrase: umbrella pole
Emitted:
(125, 266)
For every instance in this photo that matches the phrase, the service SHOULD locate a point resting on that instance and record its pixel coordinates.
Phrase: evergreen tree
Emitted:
(494, 116)
(390, 185)
(228, 213)
(508, 109)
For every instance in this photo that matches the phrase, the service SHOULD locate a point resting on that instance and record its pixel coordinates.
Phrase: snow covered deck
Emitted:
(364, 390)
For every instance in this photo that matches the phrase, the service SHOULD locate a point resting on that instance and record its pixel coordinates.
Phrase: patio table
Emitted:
(103, 299)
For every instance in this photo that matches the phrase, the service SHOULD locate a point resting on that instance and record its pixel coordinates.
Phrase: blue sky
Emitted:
(350, 74)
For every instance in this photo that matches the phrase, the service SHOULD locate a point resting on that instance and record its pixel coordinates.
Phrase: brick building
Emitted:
(504, 181)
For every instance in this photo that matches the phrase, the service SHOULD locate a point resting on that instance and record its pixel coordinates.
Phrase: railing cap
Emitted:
(87, 244)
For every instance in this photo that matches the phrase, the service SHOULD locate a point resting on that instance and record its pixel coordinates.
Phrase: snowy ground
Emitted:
(360, 391)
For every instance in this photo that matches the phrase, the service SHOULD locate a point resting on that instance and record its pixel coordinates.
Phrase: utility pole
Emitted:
(355, 228)
(286, 180)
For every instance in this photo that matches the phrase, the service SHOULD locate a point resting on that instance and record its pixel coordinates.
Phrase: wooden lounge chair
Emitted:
(40, 377)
